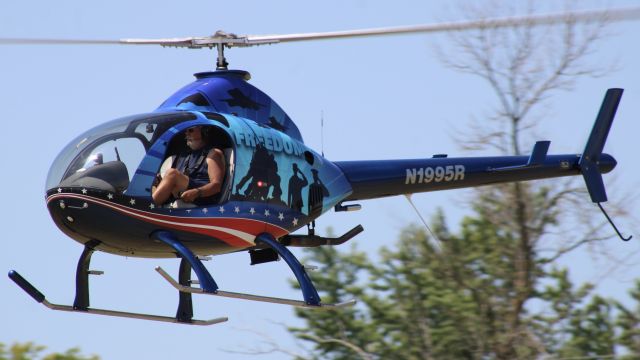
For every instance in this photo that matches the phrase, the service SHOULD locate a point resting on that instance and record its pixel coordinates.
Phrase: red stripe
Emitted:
(250, 226)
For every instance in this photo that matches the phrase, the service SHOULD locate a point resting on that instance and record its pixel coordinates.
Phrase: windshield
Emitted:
(107, 156)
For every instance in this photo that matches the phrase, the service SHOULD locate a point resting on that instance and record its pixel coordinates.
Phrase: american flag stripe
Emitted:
(237, 232)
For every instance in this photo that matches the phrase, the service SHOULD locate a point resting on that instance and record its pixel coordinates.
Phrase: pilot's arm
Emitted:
(216, 170)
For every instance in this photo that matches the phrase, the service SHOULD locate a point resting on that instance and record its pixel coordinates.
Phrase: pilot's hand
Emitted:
(189, 195)
(157, 180)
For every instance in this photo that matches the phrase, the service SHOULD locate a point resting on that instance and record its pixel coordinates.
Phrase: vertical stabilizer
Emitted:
(591, 156)
(590, 159)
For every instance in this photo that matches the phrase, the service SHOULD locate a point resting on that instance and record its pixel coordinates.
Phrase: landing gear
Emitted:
(189, 261)
(309, 292)
(81, 302)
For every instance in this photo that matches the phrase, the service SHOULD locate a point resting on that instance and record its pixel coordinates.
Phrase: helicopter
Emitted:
(98, 189)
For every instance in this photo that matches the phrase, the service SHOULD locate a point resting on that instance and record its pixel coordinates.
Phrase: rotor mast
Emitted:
(221, 61)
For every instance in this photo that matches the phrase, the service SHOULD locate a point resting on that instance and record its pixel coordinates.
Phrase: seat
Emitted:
(227, 185)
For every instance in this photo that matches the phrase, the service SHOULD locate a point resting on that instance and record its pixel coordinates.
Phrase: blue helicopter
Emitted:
(98, 190)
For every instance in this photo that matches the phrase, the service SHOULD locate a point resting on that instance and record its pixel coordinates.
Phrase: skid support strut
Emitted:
(188, 261)
(309, 291)
(206, 280)
(81, 301)
(185, 303)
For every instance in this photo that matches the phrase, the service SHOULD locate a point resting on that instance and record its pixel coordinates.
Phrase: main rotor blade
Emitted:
(187, 41)
(232, 40)
(621, 14)
(27, 41)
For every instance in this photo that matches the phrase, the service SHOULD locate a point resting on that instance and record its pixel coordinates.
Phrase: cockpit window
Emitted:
(196, 99)
(106, 156)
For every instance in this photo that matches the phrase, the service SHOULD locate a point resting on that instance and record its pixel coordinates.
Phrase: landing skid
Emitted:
(235, 295)
(39, 297)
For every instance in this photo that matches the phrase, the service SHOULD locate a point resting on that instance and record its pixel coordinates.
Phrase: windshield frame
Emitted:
(69, 160)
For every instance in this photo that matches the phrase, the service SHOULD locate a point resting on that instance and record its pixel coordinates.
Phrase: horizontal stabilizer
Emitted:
(538, 154)
(536, 159)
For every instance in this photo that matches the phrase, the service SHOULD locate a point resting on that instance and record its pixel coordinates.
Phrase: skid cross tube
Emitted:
(206, 280)
(309, 291)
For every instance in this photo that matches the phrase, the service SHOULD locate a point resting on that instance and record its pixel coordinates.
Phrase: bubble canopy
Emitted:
(114, 149)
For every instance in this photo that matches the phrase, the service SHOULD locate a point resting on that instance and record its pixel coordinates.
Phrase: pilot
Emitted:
(195, 176)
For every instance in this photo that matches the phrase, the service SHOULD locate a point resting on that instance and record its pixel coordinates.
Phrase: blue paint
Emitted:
(309, 291)
(379, 178)
(228, 92)
(591, 155)
(147, 173)
(206, 280)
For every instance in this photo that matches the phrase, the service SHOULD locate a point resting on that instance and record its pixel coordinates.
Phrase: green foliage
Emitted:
(31, 351)
(461, 302)
(629, 323)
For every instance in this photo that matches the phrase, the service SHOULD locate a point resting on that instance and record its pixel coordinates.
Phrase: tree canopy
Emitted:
(31, 351)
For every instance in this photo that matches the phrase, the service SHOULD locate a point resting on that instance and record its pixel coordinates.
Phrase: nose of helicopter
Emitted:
(68, 212)
(87, 214)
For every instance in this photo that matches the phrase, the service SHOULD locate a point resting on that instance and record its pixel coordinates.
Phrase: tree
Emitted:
(416, 303)
(629, 322)
(523, 67)
(31, 351)
(492, 292)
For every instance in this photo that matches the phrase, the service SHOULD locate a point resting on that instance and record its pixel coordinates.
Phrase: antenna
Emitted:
(436, 241)
(322, 132)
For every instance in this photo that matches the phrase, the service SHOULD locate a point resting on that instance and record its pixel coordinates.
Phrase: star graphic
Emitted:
(281, 216)
(221, 209)
(237, 209)
(59, 190)
(205, 210)
(295, 222)
(252, 211)
(84, 191)
(152, 206)
(110, 196)
(132, 201)
(266, 212)
(188, 211)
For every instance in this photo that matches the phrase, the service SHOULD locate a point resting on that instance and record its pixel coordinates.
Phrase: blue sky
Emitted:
(382, 98)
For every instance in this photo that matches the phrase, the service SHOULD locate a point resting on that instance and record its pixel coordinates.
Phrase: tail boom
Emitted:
(380, 178)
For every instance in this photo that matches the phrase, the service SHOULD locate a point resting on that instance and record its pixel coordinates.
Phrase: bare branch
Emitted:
(270, 346)
(361, 353)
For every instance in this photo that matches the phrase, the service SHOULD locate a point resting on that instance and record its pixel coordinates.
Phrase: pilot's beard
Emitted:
(195, 144)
